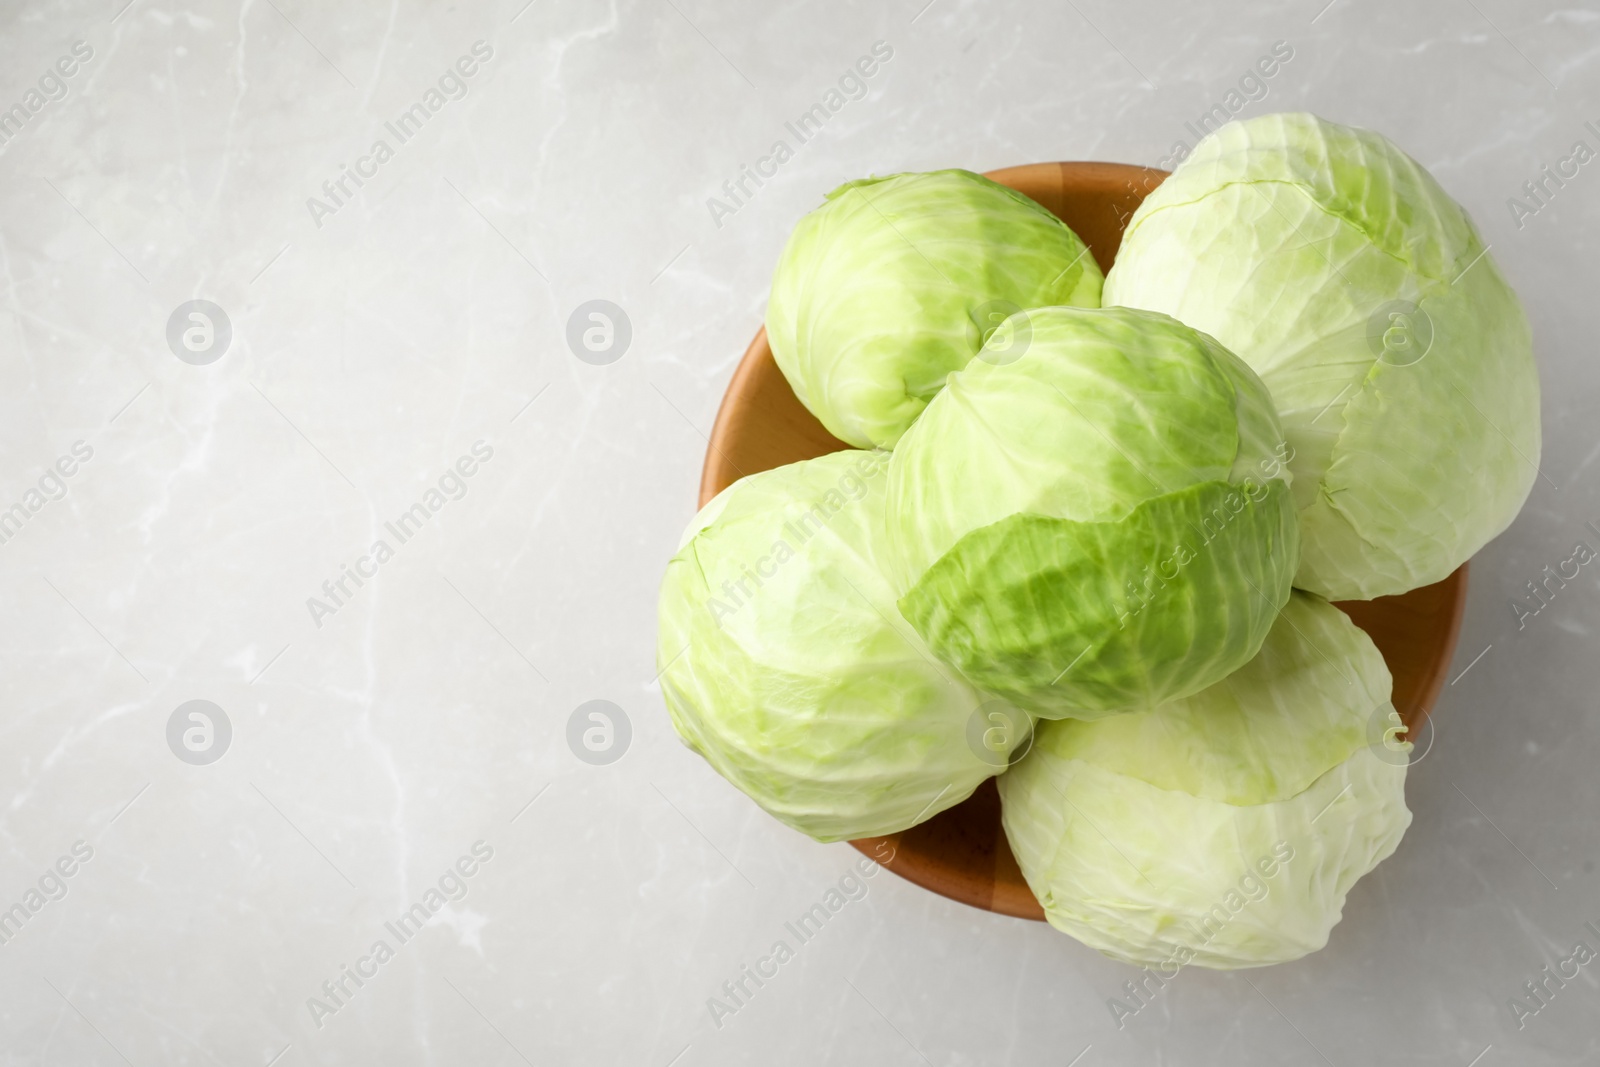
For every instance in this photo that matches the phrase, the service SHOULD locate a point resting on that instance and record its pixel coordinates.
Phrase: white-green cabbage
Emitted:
(895, 282)
(1101, 523)
(785, 664)
(1224, 829)
(1398, 357)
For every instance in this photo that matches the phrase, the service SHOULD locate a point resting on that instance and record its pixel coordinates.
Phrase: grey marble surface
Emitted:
(380, 335)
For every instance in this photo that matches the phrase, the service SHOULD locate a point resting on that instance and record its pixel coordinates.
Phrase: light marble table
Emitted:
(401, 337)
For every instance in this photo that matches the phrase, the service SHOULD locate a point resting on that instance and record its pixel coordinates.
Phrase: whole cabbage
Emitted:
(1098, 522)
(1398, 357)
(895, 282)
(1223, 829)
(785, 664)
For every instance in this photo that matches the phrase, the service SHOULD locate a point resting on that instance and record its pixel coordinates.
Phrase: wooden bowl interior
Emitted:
(962, 852)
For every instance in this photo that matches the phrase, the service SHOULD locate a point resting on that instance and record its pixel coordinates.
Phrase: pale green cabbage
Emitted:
(1102, 523)
(1398, 357)
(785, 664)
(1224, 829)
(895, 282)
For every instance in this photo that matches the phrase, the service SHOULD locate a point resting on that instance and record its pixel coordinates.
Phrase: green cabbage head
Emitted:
(1223, 829)
(1398, 357)
(895, 282)
(785, 664)
(1096, 521)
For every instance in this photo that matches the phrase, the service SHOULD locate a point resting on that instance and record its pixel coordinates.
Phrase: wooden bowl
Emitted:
(962, 852)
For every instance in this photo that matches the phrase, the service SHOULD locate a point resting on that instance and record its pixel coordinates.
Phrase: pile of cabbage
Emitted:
(1088, 533)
